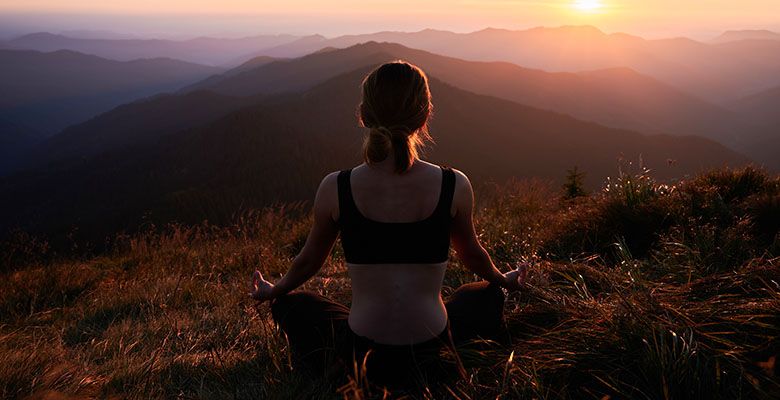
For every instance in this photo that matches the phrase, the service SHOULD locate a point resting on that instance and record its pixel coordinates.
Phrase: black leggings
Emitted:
(317, 329)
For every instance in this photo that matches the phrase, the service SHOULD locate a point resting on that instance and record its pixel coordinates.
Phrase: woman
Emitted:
(396, 214)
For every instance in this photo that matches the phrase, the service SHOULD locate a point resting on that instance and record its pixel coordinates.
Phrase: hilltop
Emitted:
(641, 291)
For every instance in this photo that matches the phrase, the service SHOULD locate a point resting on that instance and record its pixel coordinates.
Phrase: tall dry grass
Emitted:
(642, 291)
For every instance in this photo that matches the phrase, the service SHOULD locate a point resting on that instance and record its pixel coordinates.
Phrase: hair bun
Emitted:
(394, 132)
(384, 130)
(395, 106)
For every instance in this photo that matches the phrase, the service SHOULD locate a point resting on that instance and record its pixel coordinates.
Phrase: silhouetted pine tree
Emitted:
(574, 186)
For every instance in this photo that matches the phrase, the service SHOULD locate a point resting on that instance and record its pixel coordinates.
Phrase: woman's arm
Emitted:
(464, 239)
(318, 245)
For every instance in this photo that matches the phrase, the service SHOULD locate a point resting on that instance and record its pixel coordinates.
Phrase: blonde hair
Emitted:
(395, 106)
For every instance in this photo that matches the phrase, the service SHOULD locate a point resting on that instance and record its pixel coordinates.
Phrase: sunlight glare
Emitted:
(587, 5)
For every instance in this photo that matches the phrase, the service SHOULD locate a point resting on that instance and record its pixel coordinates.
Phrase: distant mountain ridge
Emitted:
(205, 50)
(713, 72)
(140, 122)
(763, 108)
(617, 97)
(32, 79)
(280, 149)
(747, 34)
(716, 72)
(49, 91)
(15, 141)
(95, 34)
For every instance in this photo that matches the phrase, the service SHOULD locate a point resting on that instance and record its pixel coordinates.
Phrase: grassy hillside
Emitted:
(641, 291)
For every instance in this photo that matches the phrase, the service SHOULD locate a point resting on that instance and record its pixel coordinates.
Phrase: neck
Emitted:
(388, 165)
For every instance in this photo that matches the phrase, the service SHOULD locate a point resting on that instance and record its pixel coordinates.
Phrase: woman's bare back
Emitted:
(397, 303)
(385, 196)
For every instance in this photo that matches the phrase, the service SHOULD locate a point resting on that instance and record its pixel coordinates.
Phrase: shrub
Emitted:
(764, 214)
(628, 210)
(736, 185)
(574, 186)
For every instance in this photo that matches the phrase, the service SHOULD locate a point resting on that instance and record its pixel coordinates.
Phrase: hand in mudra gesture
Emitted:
(515, 279)
(260, 288)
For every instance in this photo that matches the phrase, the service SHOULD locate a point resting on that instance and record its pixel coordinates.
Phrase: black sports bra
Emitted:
(367, 241)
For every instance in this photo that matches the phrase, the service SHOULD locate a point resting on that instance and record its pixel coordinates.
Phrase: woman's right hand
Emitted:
(515, 279)
(260, 288)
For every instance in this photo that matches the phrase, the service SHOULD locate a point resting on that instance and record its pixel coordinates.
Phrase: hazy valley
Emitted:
(224, 144)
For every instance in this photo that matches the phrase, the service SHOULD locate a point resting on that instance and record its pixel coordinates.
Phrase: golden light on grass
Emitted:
(587, 5)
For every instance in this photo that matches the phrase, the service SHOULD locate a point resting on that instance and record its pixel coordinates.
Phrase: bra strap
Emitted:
(447, 190)
(346, 203)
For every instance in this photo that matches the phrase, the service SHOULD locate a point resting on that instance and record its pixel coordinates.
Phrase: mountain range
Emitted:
(715, 72)
(210, 142)
(616, 97)
(735, 65)
(763, 108)
(204, 50)
(15, 141)
(46, 92)
(747, 34)
(278, 149)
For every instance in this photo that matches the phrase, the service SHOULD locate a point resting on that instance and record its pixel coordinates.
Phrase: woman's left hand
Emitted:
(515, 279)
(261, 288)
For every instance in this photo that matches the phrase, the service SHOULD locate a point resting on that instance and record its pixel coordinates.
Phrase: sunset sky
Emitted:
(652, 18)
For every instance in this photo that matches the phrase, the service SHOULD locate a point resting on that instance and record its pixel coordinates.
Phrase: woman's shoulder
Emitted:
(461, 180)
(431, 165)
(328, 188)
(462, 191)
(460, 176)
(330, 180)
(327, 198)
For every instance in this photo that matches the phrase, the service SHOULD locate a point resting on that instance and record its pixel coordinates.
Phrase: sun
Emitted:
(587, 5)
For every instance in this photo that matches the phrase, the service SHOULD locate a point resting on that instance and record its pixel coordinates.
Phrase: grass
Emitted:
(640, 292)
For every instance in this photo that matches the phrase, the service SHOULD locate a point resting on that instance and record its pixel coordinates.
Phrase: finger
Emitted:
(255, 277)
